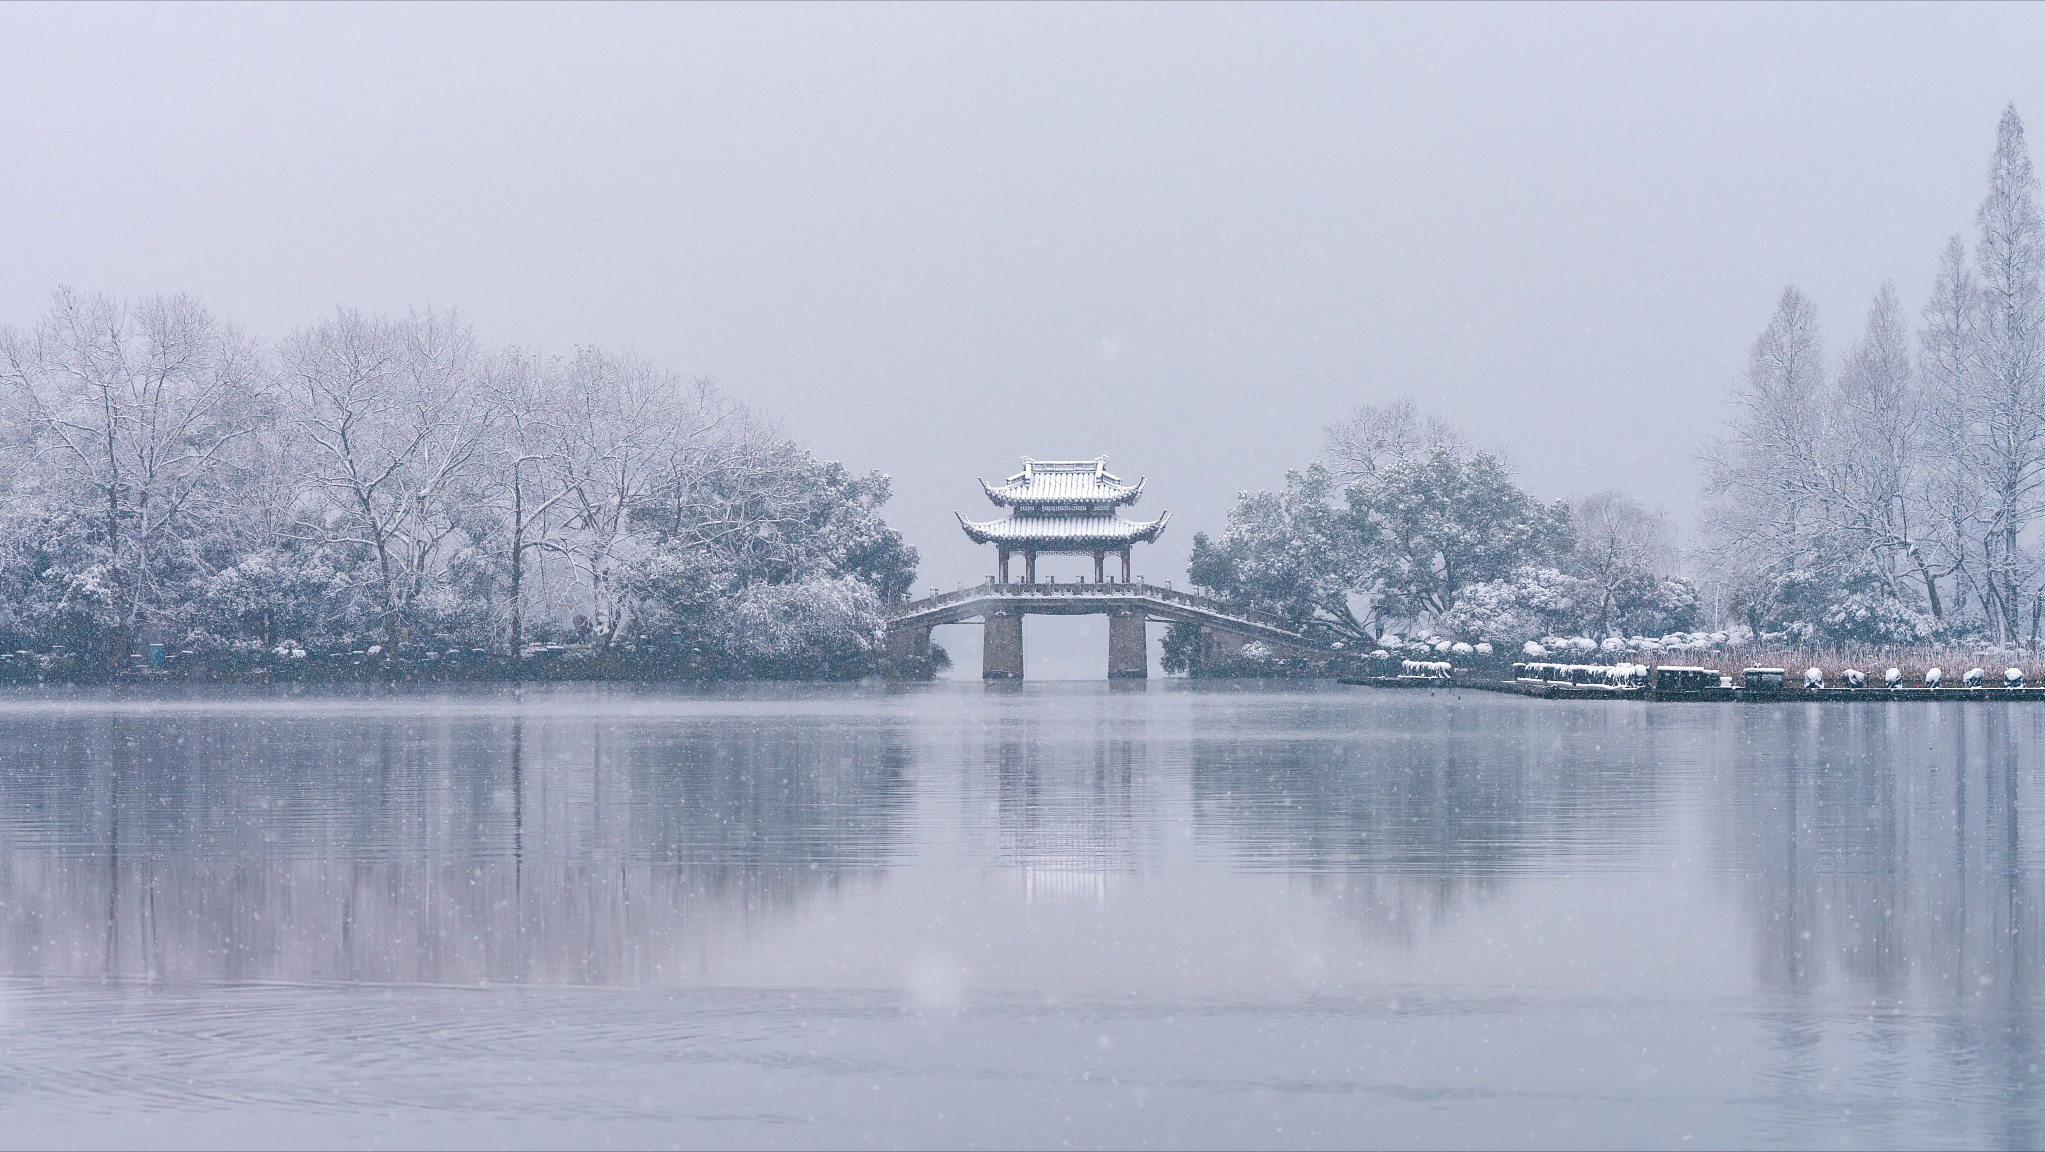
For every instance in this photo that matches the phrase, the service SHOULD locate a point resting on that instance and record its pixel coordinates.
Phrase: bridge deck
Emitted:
(1156, 603)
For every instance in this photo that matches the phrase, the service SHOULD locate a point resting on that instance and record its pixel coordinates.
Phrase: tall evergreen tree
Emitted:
(2009, 411)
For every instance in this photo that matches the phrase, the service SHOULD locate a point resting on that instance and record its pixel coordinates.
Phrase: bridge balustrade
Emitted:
(1133, 588)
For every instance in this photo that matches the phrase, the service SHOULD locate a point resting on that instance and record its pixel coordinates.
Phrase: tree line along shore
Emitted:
(387, 494)
(1877, 508)
(177, 497)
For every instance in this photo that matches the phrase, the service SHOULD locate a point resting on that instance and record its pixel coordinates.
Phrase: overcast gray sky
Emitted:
(938, 238)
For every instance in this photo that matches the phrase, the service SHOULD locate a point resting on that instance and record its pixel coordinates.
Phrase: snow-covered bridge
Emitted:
(1067, 507)
(1128, 606)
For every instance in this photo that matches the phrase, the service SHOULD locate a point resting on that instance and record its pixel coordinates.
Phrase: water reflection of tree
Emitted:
(1885, 847)
(420, 848)
(1400, 821)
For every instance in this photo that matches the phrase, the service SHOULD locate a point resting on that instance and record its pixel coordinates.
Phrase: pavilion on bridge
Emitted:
(1063, 506)
(1068, 506)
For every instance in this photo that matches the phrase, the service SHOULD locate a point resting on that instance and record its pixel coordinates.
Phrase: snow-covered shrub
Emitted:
(1532, 602)
(820, 628)
(1876, 619)
(1810, 607)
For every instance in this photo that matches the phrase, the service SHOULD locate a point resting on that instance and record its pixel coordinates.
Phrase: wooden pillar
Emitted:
(1029, 565)
(1125, 564)
(1128, 648)
(1001, 550)
(1002, 653)
(1100, 559)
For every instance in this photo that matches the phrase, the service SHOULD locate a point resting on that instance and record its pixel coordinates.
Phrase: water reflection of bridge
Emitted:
(1129, 607)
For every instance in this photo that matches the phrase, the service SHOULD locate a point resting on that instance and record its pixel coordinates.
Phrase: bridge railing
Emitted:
(1075, 590)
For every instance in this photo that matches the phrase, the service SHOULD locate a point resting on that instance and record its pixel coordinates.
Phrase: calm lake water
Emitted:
(1049, 914)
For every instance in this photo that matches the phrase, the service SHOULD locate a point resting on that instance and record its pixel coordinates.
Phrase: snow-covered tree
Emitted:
(1949, 490)
(391, 412)
(1621, 548)
(1428, 529)
(128, 410)
(375, 479)
(2005, 416)
(1530, 602)
(630, 430)
(1293, 553)
(1421, 518)
(1758, 521)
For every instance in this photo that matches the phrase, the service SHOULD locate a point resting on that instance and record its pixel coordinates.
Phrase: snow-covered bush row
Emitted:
(1622, 675)
(1536, 602)
(390, 484)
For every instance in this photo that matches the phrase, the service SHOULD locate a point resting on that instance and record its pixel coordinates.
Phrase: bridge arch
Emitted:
(1129, 607)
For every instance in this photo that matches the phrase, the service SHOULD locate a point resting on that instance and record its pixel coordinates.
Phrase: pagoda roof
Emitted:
(1083, 483)
(1064, 533)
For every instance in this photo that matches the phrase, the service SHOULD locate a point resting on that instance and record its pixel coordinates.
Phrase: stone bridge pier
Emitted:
(1001, 652)
(908, 645)
(1000, 609)
(1128, 645)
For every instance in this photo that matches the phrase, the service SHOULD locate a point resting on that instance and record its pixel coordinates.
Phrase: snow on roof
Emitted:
(1084, 482)
(1078, 533)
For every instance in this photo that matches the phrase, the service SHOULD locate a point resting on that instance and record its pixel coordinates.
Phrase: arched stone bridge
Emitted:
(1128, 606)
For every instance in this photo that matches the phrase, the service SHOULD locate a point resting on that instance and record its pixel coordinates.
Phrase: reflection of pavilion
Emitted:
(1067, 824)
